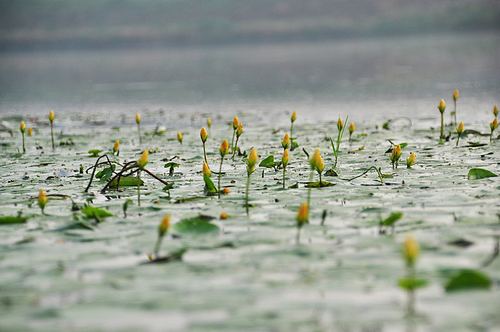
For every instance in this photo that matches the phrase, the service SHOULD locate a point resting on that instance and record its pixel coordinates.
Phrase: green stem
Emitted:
(52, 133)
(442, 127)
(246, 195)
(232, 141)
(139, 188)
(311, 177)
(157, 245)
(373, 167)
(455, 114)
(291, 138)
(284, 170)
(320, 182)
(24, 147)
(205, 153)
(458, 139)
(139, 130)
(220, 172)
(235, 147)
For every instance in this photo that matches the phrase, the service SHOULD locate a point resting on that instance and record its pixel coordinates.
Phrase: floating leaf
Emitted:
(389, 221)
(174, 256)
(106, 173)
(168, 186)
(479, 173)
(126, 181)
(468, 279)
(331, 172)
(95, 152)
(196, 225)
(268, 162)
(93, 212)
(410, 283)
(12, 220)
(210, 188)
(321, 184)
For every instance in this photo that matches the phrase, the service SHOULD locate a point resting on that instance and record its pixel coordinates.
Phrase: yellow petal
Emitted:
(144, 159)
(294, 116)
(138, 118)
(203, 134)
(51, 116)
(411, 250)
(303, 214)
(206, 170)
(253, 158)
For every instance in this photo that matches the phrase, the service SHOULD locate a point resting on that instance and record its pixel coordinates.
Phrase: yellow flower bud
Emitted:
(179, 137)
(252, 158)
(285, 159)
(144, 159)
(203, 134)
(396, 153)
(340, 124)
(351, 128)
(239, 131)
(286, 141)
(294, 116)
(22, 127)
(321, 166)
(206, 170)
(42, 199)
(411, 250)
(494, 124)
(164, 225)
(235, 123)
(224, 148)
(442, 106)
(51, 116)
(303, 215)
(209, 122)
(30, 131)
(315, 160)
(116, 146)
(460, 128)
(455, 95)
(411, 160)
(137, 118)
(495, 111)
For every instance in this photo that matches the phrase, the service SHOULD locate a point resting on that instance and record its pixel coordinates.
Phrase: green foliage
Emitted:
(106, 173)
(468, 280)
(12, 220)
(126, 181)
(171, 165)
(319, 184)
(210, 188)
(479, 173)
(411, 283)
(195, 225)
(95, 152)
(391, 220)
(94, 212)
(269, 162)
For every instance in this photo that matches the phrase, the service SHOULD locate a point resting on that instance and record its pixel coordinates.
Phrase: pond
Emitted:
(62, 270)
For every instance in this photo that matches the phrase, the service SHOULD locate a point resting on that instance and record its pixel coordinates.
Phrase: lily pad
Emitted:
(126, 181)
(93, 212)
(410, 283)
(479, 173)
(268, 162)
(196, 225)
(468, 280)
(321, 184)
(391, 220)
(12, 220)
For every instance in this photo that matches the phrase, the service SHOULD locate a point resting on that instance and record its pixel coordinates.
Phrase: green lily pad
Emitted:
(479, 173)
(92, 212)
(321, 184)
(95, 152)
(210, 188)
(106, 173)
(126, 181)
(467, 280)
(268, 162)
(196, 225)
(410, 283)
(389, 221)
(12, 220)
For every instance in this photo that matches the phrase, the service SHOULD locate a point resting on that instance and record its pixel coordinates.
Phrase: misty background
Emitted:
(219, 51)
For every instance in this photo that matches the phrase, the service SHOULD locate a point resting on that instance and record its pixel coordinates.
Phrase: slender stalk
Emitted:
(52, 133)
(320, 182)
(139, 188)
(455, 114)
(220, 172)
(246, 195)
(205, 153)
(235, 147)
(232, 141)
(158, 245)
(284, 169)
(139, 130)
(24, 147)
(442, 127)
(298, 234)
(373, 167)
(291, 138)
(311, 177)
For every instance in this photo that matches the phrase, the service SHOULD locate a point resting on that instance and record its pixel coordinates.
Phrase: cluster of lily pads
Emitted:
(130, 174)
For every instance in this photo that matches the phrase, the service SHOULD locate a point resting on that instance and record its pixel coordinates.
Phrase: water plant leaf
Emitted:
(321, 184)
(173, 256)
(411, 283)
(389, 221)
(195, 225)
(468, 279)
(92, 212)
(126, 181)
(12, 220)
(331, 172)
(210, 188)
(479, 173)
(268, 162)
(95, 152)
(106, 173)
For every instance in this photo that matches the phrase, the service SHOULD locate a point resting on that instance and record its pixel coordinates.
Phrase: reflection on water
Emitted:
(346, 69)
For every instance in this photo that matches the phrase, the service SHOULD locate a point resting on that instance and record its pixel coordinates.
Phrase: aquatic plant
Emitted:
(251, 162)
(223, 150)
(141, 163)
(460, 131)
(292, 120)
(495, 111)
(284, 161)
(317, 164)
(162, 230)
(209, 185)
(116, 148)
(138, 121)
(441, 108)
(22, 128)
(395, 155)
(239, 131)
(179, 137)
(351, 130)
(235, 127)
(30, 131)
(341, 128)
(302, 218)
(411, 252)
(411, 160)
(203, 137)
(493, 126)
(209, 124)
(286, 142)
(454, 113)
(51, 119)
(42, 200)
